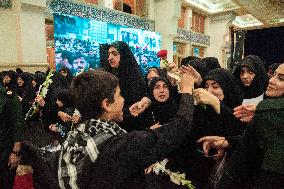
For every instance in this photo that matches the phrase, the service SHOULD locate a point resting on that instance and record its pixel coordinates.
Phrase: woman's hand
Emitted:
(216, 142)
(245, 112)
(139, 107)
(40, 100)
(75, 118)
(14, 160)
(204, 97)
(197, 77)
(64, 116)
(53, 128)
(149, 169)
(155, 126)
(188, 78)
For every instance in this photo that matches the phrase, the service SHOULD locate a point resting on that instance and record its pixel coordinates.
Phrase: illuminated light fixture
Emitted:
(213, 6)
(246, 21)
(276, 21)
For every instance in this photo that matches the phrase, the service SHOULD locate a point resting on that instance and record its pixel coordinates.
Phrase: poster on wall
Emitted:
(77, 43)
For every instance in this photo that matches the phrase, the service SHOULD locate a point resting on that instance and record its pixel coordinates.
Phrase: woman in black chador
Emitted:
(25, 91)
(212, 116)
(40, 133)
(163, 106)
(98, 153)
(122, 63)
(252, 77)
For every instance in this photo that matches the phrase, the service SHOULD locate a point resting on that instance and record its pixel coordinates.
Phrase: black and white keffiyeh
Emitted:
(81, 148)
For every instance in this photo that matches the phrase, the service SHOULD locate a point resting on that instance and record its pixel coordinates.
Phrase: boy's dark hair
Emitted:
(90, 89)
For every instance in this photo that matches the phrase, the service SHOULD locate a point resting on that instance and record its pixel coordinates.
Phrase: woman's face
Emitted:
(151, 74)
(161, 91)
(246, 76)
(33, 83)
(59, 103)
(113, 57)
(20, 82)
(6, 79)
(214, 88)
(116, 111)
(275, 86)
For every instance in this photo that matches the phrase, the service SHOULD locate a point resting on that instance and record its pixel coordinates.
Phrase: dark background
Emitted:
(265, 43)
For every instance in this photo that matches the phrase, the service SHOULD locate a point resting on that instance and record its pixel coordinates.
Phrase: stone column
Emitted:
(166, 22)
(22, 36)
(218, 30)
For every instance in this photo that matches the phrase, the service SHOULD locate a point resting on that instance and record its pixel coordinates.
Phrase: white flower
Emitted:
(160, 166)
(44, 92)
(176, 177)
(76, 112)
(43, 89)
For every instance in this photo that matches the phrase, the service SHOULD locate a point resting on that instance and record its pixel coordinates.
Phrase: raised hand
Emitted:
(155, 126)
(204, 97)
(64, 116)
(245, 112)
(139, 107)
(216, 142)
(188, 78)
(53, 128)
(40, 100)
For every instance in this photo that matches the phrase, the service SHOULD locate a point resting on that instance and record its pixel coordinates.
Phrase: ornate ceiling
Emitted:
(251, 13)
(266, 11)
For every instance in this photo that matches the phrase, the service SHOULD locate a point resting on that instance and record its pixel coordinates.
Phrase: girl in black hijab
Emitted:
(163, 106)
(252, 65)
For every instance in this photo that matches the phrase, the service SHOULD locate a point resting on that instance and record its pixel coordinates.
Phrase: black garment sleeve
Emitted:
(245, 161)
(233, 126)
(18, 120)
(233, 140)
(49, 114)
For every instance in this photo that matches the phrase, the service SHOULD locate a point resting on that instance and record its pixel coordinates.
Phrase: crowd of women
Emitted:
(110, 128)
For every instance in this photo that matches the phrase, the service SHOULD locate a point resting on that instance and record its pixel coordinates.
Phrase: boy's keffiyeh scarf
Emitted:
(81, 148)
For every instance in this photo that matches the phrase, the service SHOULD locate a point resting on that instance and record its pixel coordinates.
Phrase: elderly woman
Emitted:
(100, 154)
(258, 158)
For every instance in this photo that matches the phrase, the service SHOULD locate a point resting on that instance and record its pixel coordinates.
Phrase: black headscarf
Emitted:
(198, 65)
(260, 81)
(69, 76)
(64, 96)
(131, 80)
(273, 67)
(26, 91)
(162, 111)
(12, 85)
(211, 63)
(59, 82)
(27, 87)
(231, 90)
